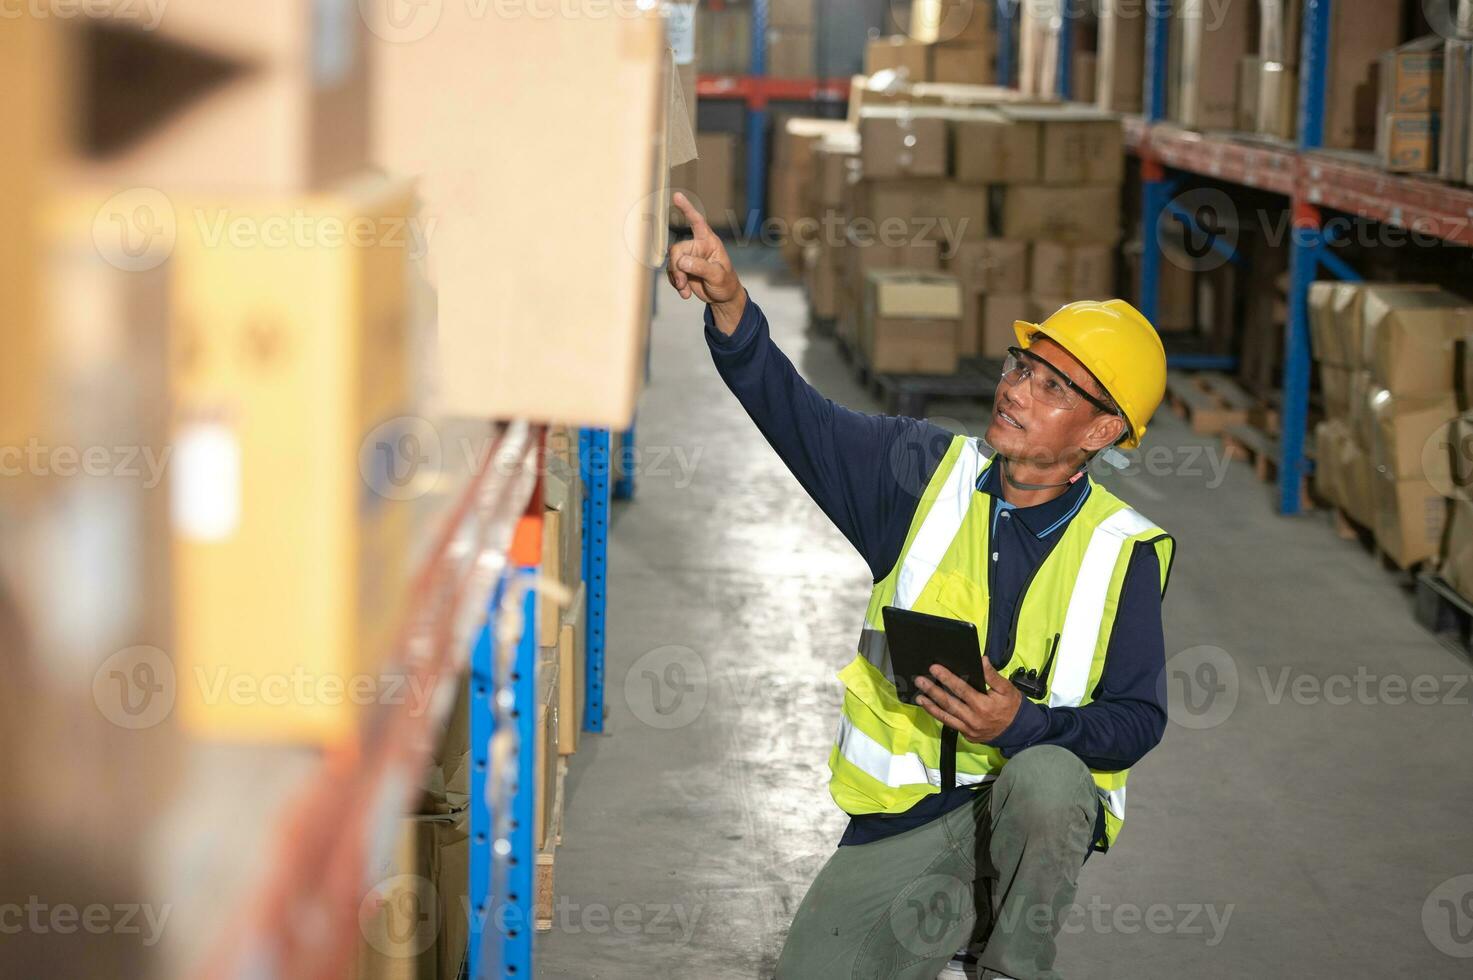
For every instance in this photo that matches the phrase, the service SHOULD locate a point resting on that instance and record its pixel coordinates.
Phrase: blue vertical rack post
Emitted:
(757, 125)
(1064, 73)
(502, 863)
(594, 456)
(1156, 188)
(1006, 21)
(1306, 248)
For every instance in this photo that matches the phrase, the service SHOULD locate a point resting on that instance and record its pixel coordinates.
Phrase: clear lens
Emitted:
(1044, 387)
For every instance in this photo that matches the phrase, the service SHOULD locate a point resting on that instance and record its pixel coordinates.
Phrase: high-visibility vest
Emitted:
(887, 755)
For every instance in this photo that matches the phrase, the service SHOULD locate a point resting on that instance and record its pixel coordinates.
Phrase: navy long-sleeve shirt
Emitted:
(867, 472)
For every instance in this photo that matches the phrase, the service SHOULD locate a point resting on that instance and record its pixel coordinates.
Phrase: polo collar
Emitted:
(1041, 519)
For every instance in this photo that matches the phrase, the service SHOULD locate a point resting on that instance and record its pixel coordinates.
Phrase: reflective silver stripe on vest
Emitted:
(1114, 800)
(1087, 606)
(941, 525)
(894, 771)
(875, 648)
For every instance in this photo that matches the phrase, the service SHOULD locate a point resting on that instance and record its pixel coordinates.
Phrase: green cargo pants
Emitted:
(1000, 870)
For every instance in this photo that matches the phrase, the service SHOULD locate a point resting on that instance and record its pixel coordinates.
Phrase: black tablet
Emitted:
(918, 640)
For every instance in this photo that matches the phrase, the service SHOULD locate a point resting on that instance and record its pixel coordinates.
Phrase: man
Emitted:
(971, 815)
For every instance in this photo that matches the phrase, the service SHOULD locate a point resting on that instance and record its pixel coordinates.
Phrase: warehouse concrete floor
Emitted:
(1305, 816)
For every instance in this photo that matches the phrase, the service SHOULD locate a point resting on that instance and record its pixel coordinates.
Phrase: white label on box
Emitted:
(206, 489)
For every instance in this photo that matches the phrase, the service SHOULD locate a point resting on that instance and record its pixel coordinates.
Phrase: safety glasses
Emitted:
(1049, 385)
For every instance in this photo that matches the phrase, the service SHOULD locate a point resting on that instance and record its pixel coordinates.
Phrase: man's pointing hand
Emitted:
(701, 268)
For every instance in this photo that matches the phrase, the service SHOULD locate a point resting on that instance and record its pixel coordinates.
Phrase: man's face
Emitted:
(1027, 429)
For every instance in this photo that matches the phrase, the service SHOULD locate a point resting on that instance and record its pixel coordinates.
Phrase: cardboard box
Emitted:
(1076, 271)
(897, 142)
(1457, 102)
(992, 265)
(572, 672)
(1407, 142)
(791, 13)
(1354, 480)
(1363, 394)
(821, 278)
(1335, 387)
(863, 255)
(1074, 215)
(217, 96)
(999, 313)
(910, 322)
(1412, 337)
(398, 914)
(1410, 517)
(790, 52)
(724, 39)
(717, 194)
(1250, 68)
(1405, 427)
(908, 57)
(836, 165)
(1330, 436)
(1278, 100)
(290, 507)
(1120, 81)
(562, 548)
(1334, 339)
(1457, 561)
(548, 725)
(993, 148)
(1411, 78)
(963, 64)
(1349, 311)
(963, 21)
(1360, 30)
(584, 363)
(1085, 72)
(1207, 43)
(1080, 145)
(30, 62)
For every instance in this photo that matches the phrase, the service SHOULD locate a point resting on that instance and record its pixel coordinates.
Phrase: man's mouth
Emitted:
(1007, 418)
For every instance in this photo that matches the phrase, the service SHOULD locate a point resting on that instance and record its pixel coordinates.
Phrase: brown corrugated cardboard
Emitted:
(910, 322)
(218, 96)
(1349, 311)
(1360, 30)
(716, 191)
(999, 313)
(1363, 393)
(900, 54)
(964, 21)
(1206, 46)
(821, 267)
(1457, 102)
(1357, 477)
(1085, 74)
(1278, 100)
(1076, 215)
(1329, 435)
(1250, 68)
(572, 667)
(1404, 428)
(1333, 340)
(897, 142)
(724, 39)
(791, 13)
(1411, 337)
(1335, 386)
(1080, 145)
(1407, 142)
(790, 52)
(1411, 77)
(994, 265)
(544, 775)
(1075, 271)
(963, 64)
(584, 362)
(1122, 59)
(1410, 517)
(1457, 561)
(993, 148)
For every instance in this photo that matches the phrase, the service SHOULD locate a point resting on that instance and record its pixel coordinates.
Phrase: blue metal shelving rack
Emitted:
(502, 731)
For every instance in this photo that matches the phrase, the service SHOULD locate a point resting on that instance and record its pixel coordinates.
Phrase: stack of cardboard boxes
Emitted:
(1387, 356)
(950, 41)
(1409, 114)
(792, 179)
(790, 38)
(1120, 71)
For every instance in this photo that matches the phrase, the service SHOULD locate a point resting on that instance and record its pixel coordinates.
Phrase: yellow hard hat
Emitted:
(1119, 347)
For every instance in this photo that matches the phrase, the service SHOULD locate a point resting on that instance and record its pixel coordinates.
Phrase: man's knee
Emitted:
(1046, 784)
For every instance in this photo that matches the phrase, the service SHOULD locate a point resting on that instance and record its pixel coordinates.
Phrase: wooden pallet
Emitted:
(542, 879)
(1444, 612)
(1211, 402)
(1261, 451)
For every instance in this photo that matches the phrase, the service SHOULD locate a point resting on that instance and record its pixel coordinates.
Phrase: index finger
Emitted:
(698, 224)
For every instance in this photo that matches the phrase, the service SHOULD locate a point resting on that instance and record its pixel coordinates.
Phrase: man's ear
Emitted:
(1104, 430)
